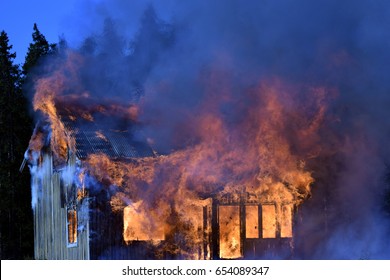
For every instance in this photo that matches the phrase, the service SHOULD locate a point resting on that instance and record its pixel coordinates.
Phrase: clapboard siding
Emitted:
(50, 219)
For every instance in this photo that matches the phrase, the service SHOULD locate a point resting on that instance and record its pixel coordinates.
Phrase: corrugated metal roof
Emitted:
(92, 138)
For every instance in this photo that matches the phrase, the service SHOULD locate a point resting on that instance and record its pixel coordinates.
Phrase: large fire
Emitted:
(260, 156)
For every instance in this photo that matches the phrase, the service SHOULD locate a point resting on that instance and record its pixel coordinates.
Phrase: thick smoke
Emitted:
(189, 57)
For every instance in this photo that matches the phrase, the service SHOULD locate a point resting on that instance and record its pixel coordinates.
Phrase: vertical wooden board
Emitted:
(269, 220)
(45, 207)
(252, 221)
(57, 217)
(286, 221)
(37, 254)
(229, 232)
(85, 235)
(53, 251)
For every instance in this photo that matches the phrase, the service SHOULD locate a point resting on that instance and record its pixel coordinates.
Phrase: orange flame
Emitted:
(263, 153)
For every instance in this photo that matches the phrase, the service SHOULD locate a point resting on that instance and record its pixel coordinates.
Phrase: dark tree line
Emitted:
(16, 227)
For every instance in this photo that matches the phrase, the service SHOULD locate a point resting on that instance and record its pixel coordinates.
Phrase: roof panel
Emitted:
(92, 138)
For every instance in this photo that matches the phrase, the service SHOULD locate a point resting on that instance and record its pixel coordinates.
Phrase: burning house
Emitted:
(101, 191)
(81, 215)
(260, 131)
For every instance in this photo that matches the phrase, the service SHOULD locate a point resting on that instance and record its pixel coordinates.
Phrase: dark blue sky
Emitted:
(72, 19)
(53, 18)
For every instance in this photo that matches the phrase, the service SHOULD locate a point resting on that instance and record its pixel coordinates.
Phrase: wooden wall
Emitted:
(50, 219)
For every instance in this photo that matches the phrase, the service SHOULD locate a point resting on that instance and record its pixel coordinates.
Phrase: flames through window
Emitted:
(256, 222)
(72, 227)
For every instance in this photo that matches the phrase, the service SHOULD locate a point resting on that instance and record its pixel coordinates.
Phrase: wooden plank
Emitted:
(50, 220)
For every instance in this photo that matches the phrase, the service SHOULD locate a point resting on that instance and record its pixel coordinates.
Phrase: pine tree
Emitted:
(15, 127)
(38, 49)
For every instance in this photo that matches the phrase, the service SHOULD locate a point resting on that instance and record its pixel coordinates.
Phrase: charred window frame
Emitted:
(71, 227)
(277, 220)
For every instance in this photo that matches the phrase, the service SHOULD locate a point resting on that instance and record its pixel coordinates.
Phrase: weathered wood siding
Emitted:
(50, 219)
